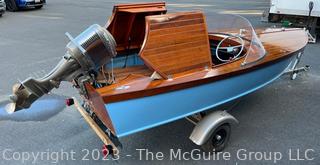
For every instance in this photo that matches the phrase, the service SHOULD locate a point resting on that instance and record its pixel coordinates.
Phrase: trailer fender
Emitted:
(206, 126)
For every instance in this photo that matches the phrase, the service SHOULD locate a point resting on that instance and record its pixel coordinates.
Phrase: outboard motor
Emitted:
(85, 54)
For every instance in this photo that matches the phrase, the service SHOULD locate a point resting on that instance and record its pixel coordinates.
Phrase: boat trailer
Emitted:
(293, 69)
(212, 129)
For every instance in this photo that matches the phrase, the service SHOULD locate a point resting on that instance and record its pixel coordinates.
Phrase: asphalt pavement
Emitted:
(281, 119)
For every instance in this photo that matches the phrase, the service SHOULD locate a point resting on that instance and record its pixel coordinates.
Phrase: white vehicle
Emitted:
(303, 13)
(295, 7)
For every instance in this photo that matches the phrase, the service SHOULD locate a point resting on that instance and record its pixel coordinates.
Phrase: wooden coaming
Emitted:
(176, 43)
(127, 23)
(278, 43)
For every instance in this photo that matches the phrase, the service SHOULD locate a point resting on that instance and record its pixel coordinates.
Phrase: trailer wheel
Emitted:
(218, 140)
(11, 5)
(38, 7)
(274, 18)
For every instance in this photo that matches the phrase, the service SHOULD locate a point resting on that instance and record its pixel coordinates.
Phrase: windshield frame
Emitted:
(238, 25)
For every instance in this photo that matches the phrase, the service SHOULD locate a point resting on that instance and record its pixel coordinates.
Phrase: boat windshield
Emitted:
(237, 27)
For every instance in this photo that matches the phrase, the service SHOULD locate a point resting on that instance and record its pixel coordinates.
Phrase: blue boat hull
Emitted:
(136, 115)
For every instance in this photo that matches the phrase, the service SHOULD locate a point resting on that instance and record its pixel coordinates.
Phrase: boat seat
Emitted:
(127, 23)
(176, 43)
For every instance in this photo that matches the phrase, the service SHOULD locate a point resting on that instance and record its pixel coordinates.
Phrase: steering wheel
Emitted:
(230, 48)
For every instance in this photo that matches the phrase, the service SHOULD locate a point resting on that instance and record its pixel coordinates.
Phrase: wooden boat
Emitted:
(170, 70)
(171, 66)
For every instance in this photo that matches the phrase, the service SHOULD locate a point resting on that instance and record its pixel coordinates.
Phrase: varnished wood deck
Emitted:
(278, 44)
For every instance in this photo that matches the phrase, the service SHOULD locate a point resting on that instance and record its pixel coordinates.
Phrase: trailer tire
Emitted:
(38, 7)
(274, 18)
(11, 5)
(218, 140)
